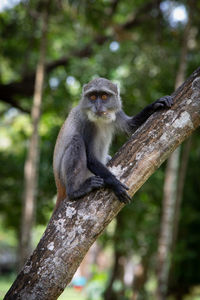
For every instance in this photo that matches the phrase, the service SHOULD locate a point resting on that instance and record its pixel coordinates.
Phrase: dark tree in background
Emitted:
(32, 160)
(171, 195)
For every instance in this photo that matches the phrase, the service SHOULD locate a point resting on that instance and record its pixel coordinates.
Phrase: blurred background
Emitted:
(48, 50)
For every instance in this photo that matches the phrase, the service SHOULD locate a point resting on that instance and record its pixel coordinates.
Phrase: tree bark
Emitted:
(31, 163)
(170, 191)
(75, 225)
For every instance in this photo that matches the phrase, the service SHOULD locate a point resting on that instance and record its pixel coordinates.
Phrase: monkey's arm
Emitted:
(130, 124)
(74, 170)
(140, 118)
(97, 168)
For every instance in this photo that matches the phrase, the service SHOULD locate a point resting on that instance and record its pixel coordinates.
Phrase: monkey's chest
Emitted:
(101, 145)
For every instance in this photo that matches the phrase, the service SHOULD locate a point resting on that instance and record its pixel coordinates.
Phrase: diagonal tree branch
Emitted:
(74, 226)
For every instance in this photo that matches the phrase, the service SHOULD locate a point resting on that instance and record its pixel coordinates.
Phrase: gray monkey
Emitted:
(82, 146)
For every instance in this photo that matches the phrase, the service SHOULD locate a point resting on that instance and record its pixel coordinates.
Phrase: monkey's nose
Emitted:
(100, 113)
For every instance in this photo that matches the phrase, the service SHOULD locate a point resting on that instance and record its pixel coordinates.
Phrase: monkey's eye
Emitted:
(93, 97)
(104, 97)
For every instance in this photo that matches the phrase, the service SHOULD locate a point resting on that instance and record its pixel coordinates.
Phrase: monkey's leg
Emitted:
(92, 183)
(74, 171)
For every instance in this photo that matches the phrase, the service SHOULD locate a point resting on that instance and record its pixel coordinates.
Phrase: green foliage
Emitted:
(96, 285)
(5, 283)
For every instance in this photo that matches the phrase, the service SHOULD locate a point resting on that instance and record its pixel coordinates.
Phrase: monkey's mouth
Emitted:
(105, 116)
(101, 113)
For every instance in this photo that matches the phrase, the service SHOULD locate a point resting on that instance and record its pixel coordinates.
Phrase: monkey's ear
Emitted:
(84, 87)
(117, 84)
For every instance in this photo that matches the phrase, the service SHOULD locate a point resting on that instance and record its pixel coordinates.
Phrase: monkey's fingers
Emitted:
(158, 105)
(97, 182)
(128, 198)
(169, 101)
(124, 197)
(166, 101)
(124, 186)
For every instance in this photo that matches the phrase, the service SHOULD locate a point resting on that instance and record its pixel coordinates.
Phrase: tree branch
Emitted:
(74, 226)
(142, 15)
(9, 92)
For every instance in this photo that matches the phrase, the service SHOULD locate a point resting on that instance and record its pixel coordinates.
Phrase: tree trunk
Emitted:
(180, 185)
(140, 277)
(31, 163)
(166, 231)
(170, 192)
(117, 275)
(75, 225)
(118, 264)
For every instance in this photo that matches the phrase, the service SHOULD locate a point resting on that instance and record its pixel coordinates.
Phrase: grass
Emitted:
(71, 294)
(68, 294)
(5, 283)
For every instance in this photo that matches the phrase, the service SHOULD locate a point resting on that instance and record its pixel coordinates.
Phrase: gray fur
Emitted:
(102, 84)
(83, 143)
(70, 158)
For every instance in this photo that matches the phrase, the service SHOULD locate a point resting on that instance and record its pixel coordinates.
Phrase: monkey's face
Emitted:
(100, 106)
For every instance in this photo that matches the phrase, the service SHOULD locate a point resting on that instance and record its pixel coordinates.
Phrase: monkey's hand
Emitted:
(109, 179)
(121, 193)
(163, 102)
(119, 189)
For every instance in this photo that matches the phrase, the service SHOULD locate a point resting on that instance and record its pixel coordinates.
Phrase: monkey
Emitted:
(82, 146)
